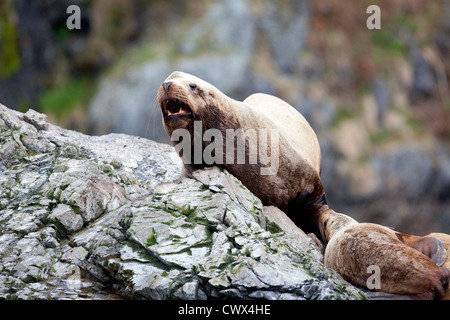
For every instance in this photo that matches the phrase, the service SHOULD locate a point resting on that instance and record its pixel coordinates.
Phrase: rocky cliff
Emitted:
(107, 217)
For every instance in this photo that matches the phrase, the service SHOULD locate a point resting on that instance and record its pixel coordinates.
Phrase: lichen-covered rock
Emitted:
(105, 217)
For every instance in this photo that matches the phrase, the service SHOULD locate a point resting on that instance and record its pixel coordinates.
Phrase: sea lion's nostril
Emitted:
(166, 86)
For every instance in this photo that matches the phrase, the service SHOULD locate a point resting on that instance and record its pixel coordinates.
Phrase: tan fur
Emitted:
(332, 222)
(353, 247)
(294, 126)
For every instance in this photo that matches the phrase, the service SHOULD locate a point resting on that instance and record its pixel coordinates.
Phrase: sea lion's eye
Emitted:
(193, 86)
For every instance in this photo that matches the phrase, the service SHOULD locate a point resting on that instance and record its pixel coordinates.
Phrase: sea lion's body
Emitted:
(356, 249)
(295, 186)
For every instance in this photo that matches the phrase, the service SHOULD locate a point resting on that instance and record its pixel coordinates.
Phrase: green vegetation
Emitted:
(406, 22)
(190, 213)
(386, 39)
(151, 240)
(381, 136)
(133, 57)
(63, 99)
(341, 116)
(415, 124)
(446, 104)
(9, 49)
(272, 227)
(411, 121)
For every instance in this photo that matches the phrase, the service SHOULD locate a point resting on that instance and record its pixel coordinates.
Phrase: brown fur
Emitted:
(353, 247)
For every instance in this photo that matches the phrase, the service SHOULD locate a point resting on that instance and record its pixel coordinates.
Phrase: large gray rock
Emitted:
(105, 217)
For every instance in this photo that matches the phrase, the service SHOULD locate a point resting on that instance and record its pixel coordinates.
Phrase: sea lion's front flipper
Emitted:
(429, 246)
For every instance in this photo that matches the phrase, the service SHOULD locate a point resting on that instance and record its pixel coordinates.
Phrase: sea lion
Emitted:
(406, 264)
(193, 106)
(294, 187)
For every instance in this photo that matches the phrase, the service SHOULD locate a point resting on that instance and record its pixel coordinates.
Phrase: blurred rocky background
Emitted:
(379, 100)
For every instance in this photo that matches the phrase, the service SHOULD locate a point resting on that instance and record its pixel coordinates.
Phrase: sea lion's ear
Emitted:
(432, 247)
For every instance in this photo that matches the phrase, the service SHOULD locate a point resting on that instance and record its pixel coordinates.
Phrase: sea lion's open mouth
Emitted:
(175, 107)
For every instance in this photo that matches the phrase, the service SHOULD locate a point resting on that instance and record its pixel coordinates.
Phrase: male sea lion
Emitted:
(295, 186)
(191, 105)
(406, 264)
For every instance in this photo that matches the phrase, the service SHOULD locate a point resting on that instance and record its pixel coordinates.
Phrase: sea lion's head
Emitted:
(331, 222)
(184, 98)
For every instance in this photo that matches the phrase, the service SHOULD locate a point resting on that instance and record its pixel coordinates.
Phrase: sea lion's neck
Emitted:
(334, 223)
(238, 114)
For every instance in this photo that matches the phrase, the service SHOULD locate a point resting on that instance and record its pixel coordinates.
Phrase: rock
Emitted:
(382, 95)
(219, 238)
(319, 114)
(291, 21)
(105, 218)
(443, 178)
(53, 181)
(424, 80)
(74, 255)
(226, 25)
(443, 35)
(406, 172)
(64, 215)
